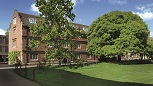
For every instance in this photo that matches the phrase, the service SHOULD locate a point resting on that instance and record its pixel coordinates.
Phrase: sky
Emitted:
(86, 11)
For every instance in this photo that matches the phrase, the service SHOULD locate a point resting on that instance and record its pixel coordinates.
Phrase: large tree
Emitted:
(54, 28)
(149, 48)
(117, 33)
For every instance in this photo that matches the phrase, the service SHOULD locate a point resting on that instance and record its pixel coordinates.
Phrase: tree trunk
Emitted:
(119, 58)
(60, 62)
(141, 56)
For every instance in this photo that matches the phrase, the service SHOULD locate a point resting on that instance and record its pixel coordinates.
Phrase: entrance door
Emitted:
(1, 59)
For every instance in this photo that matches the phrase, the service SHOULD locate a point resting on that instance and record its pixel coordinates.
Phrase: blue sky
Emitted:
(86, 10)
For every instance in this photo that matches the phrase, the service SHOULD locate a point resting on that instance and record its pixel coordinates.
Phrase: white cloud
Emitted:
(34, 8)
(119, 2)
(140, 8)
(151, 34)
(145, 11)
(74, 1)
(2, 32)
(145, 15)
(145, 8)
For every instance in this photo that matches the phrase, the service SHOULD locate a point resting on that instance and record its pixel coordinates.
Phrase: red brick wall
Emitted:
(17, 35)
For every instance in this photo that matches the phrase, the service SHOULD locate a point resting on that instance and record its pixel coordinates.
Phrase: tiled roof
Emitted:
(25, 18)
(80, 26)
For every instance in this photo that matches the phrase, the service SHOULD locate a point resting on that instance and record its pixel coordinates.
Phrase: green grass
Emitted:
(102, 74)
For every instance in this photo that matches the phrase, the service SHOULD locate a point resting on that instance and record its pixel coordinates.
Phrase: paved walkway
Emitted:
(9, 78)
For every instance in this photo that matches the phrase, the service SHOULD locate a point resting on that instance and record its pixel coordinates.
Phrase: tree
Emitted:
(117, 33)
(149, 48)
(7, 32)
(55, 29)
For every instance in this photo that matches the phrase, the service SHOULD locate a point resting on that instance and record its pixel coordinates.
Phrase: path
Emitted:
(9, 78)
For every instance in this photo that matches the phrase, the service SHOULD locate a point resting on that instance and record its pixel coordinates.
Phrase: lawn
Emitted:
(101, 74)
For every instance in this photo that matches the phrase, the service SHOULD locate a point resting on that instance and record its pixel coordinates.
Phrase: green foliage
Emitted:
(34, 43)
(54, 28)
(149, 48)
(7, 32)
(13, 56)
(117, 33)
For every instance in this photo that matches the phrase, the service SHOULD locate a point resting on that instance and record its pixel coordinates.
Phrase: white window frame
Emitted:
(14, 42)
(3, 40)
(33, 57)
(78, 56)
(32, 20)
(3, 48)
(14, 20)
(76, 27)
(78, 45)
(65, 45)
(89, 56)
(51, 44)
(14, 30)
(84, 29)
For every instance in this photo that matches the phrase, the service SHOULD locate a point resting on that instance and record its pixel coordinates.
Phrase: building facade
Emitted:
(3, 48)
(20, 36)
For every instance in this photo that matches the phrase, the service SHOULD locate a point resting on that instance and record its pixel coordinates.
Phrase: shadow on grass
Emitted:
(130, 62)
(136, 62)
(58, 77)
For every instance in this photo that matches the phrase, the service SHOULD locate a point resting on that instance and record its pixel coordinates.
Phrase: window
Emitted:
(32, 20)
(85, 29)
(34, 57)
(14, 30)
(88, 56)
(6, 48)
(51, 44)
(14, 42)
(14, 20)
(3, 40)
(78, 45)
(75, 26)
(3, 48)
(78, 56)
(65, 45)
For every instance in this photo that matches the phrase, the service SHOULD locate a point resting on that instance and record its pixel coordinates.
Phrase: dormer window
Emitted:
(85, 29)
(32, 20)
(14, 20)
(75, 26)
(65, 45)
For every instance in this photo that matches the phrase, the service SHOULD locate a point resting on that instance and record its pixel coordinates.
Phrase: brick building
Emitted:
(3, 48)
(19, 39)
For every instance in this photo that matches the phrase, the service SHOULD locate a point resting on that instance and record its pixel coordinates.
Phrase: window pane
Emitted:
(14, 20)
(78, 45)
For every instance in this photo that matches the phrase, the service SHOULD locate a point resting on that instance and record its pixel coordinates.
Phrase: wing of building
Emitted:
(3, 48)
(19, 39)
